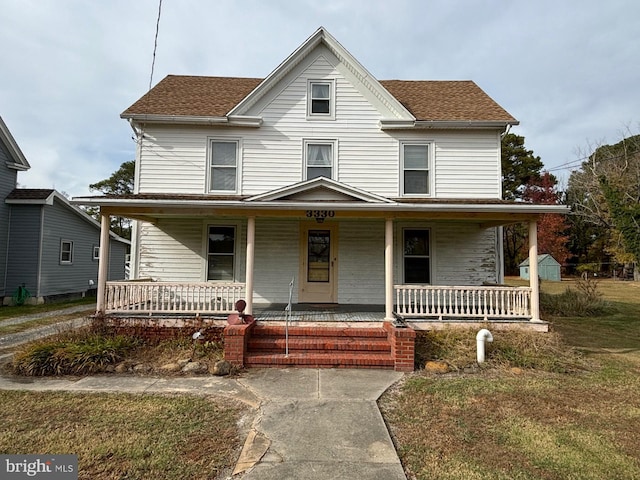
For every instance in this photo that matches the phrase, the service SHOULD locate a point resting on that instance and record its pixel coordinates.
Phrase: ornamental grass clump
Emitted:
(72, 354)
(584, 301)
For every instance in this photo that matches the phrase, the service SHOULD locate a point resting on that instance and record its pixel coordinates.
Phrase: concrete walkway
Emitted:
(310, 424)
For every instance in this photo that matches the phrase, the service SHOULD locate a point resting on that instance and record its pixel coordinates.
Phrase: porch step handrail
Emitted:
(462, 301)
(151, 297)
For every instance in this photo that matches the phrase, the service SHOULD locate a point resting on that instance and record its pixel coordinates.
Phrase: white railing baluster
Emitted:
(169, 297)
(462, 301)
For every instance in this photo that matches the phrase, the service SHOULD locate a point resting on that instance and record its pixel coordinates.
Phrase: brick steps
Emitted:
(320, 360)
(317, 344)
(317, 347)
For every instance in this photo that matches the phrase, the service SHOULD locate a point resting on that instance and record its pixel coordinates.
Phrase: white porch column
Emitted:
(103, 262)
(388, 269)
(533, 271)
(251, 238)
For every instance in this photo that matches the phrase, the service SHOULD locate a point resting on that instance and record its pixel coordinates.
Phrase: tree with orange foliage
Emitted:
(552, 227)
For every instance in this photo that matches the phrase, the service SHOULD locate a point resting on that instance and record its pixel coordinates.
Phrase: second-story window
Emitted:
(320, 100)
(416, 178)
(223, 176)
(319, 159)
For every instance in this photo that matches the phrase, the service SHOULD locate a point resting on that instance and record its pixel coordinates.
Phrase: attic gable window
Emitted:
(319, 158)
(416, 166)
(223, 175)
(320, 100)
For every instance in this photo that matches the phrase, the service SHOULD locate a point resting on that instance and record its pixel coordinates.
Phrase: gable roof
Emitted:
(188, 99)
(46, 196)
(320, 188)
(428, 101)
(542, 258)
(19, 160)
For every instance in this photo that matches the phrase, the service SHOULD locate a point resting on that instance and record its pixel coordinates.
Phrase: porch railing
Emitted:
(462, 301)
(168, 297)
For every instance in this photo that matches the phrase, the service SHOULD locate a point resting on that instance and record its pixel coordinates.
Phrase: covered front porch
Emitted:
(421, 306)
(367, 304)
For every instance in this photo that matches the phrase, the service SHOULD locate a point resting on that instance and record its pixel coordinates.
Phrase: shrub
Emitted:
(586, 300)
(72, 354)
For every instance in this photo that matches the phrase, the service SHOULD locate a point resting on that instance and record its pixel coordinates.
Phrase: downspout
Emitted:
(482, 337)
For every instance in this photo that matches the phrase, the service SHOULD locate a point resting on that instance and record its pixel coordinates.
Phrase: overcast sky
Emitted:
(568, 70)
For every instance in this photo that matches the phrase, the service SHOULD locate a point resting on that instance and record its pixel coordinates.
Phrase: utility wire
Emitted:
(155, 43)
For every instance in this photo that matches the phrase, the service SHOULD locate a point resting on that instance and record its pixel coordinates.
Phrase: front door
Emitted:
(319, 262)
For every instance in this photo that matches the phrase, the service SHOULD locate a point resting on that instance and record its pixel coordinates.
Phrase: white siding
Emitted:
(174, 159)
(361, 262)
(464, 254)
(175, 250)
(277, 260)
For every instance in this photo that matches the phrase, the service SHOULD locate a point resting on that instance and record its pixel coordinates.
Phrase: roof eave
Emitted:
(463, 124)
(21, 162)
(232, 121)
(338, 206)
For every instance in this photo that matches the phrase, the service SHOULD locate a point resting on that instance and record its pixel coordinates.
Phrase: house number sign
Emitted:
(320, 214)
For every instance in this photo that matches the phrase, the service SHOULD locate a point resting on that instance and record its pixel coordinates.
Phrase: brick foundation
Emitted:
(236, 338)
(403, 346)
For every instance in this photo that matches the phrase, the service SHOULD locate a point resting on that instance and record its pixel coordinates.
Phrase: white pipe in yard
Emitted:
(483, 336)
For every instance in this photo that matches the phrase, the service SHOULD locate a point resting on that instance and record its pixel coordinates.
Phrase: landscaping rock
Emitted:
(516, 370)
(109, 369)
(436, 367)
(122, 367)
(170, 368)
(194, 367)
(221, 368)
(471, 368)
(184, 362)
(142, 368)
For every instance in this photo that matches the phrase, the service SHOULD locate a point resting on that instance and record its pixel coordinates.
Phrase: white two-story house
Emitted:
(319, 185)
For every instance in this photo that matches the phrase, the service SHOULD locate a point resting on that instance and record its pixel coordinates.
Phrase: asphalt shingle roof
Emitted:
(29, 194)
(215, 96)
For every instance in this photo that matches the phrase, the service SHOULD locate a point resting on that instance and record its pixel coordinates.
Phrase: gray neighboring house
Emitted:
(47, 245)
(548, 268)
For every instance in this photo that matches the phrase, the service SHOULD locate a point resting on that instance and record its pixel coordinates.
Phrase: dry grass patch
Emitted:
(531, 350)
(123, 435)
(572, 411)
(528, 426)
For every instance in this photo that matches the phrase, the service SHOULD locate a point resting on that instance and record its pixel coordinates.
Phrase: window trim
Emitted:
(236, 251)
(305, 150)
(403, 229)
(430, 169)
(63, 251)
(96, 252)
(238, 167)
(332, 99)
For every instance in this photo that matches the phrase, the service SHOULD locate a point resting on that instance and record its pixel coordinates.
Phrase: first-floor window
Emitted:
(221, 253)
(96, 252)
(66, 251)
(416, 256)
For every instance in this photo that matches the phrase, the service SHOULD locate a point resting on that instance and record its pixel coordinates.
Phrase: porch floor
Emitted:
(304, 312)
(370, 315)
